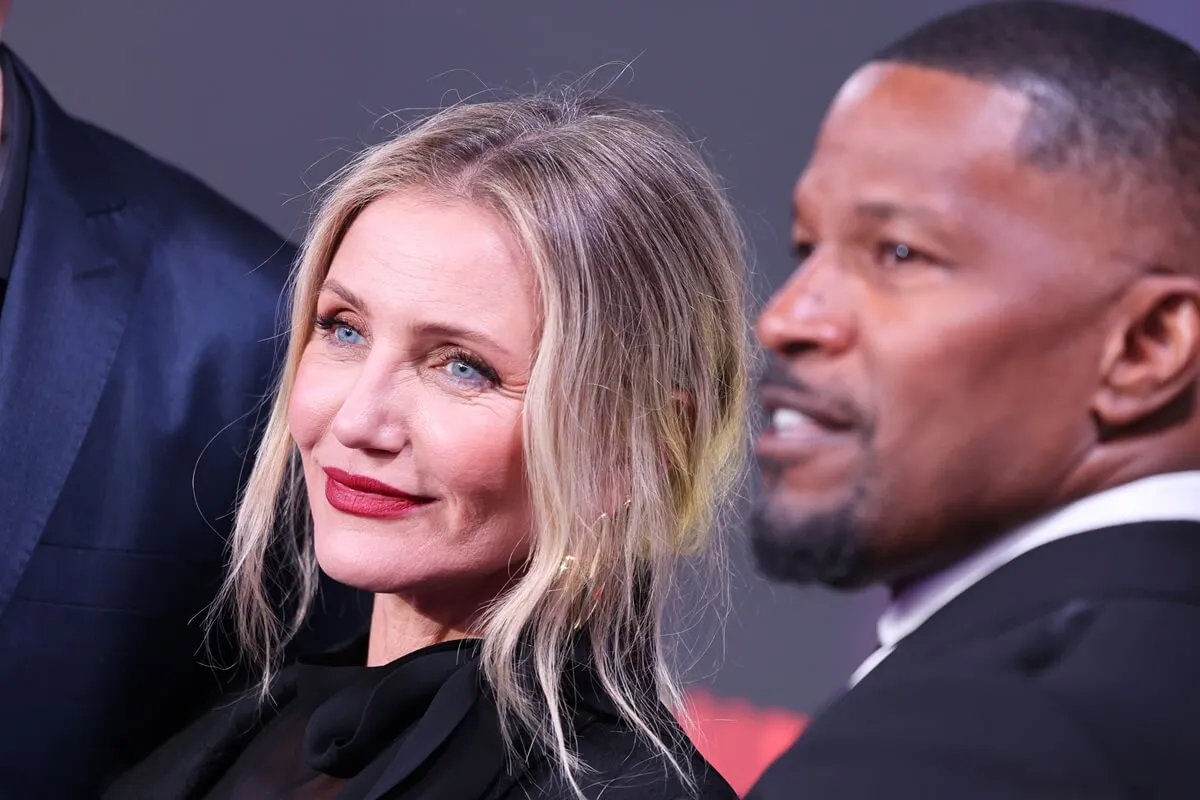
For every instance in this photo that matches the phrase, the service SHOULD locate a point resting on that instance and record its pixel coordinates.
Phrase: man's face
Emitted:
(934, 355)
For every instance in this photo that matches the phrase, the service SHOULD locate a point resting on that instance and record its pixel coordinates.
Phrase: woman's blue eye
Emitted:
(463, 371)
(344, 334)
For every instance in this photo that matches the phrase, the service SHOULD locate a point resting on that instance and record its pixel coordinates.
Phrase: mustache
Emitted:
(777, 376)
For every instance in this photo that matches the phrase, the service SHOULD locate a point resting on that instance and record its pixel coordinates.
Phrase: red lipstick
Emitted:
(367, 497)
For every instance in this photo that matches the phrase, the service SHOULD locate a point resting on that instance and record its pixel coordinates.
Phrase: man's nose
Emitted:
(802, 317)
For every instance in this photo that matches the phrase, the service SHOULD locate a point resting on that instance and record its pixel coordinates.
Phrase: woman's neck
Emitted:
(398, 628)
(404, 623)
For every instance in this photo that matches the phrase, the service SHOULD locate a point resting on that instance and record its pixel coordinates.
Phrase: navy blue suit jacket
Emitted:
(137, 339)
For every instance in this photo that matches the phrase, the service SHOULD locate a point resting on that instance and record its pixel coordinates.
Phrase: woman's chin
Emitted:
(383, 565)
(368, 570)
(365, 569)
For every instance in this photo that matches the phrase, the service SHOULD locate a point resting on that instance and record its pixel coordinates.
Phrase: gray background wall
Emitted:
(263, 98)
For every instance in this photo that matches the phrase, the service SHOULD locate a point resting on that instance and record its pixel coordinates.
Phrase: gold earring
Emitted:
(605, 515)
(590, 591)
(564, 566)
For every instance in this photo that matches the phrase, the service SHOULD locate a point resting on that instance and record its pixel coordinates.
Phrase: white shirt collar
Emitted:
(1160, 498)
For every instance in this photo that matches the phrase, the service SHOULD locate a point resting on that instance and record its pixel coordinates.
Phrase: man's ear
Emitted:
(1152, 355)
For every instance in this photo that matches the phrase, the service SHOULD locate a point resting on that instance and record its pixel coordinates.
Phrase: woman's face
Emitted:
(407, 402)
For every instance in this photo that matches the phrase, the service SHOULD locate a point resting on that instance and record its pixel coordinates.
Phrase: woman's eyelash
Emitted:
(332, 328)
(328, 323)
(474, 363)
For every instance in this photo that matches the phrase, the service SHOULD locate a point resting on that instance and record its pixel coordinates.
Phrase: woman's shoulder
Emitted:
(623, 765)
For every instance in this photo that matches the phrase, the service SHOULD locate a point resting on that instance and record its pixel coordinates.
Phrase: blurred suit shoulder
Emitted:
(191, 226)
(151, 215)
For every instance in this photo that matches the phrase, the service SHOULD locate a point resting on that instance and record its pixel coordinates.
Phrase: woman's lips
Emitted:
(367, 497)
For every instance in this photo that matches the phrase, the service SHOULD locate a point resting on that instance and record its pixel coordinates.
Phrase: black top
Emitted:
(1070, 673)
(348, 721)
(423, 726)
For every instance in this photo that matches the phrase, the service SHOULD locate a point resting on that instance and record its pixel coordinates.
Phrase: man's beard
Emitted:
(794, 544)
(828, 548)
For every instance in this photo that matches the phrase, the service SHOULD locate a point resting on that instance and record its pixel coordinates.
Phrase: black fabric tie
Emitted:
(348, 732)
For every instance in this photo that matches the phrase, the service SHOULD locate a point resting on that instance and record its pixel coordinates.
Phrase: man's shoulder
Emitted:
(183, 214)
(1131, 654)
(1062, 703)
(941, 733)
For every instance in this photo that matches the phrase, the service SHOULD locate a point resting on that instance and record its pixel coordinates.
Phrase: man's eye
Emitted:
(802, 251)
(896, 253)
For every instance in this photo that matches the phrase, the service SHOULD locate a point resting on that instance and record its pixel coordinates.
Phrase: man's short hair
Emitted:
(1110, 95)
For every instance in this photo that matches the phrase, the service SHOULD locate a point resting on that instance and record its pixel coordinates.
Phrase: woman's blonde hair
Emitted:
(634, 418)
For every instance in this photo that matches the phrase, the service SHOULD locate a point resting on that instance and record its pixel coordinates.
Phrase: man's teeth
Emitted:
(784, 420)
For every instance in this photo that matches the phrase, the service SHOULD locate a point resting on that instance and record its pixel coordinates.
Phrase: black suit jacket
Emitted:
(136, 340)
(1073, 672)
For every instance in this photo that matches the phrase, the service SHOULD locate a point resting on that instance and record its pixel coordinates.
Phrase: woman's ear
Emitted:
(687, 408)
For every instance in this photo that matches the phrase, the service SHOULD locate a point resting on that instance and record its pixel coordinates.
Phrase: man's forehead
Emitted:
(873, 181)
(898, 93)
(899, 133)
